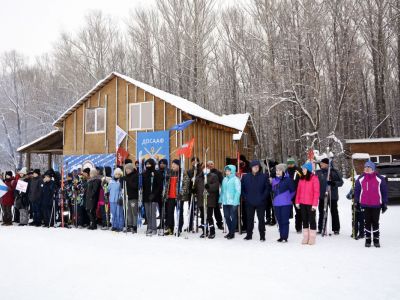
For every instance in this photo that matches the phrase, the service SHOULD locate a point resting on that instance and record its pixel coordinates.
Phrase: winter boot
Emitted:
(368, 242)
(376, 243)
(204, 234)
(248, 237)
(306, 236)
(134, 229)
(313, 236)
(212, 232)
(230, 236)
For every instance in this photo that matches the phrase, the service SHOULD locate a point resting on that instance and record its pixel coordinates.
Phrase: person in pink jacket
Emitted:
(307, 201)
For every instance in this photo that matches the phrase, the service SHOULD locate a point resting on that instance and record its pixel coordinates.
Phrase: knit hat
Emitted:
(308, 166)
(177, 162)
(36, 171)
(48, 173)
(370, 164)
(291, 161)
(163, 161)
(23, 171)
(255, 163)
(86, 170)
(9, 173)
(130, 167)
(281, 167)
(128, 161)
(118, 171)
(325, 161)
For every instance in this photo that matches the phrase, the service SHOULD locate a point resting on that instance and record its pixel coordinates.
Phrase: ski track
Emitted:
(41, 263)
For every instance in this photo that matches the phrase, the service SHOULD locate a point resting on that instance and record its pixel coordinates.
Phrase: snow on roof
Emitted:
(360, 156)
(235, 121)
(378, 140)
(23, 147)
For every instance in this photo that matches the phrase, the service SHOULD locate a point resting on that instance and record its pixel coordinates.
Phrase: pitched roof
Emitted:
(235, 121)
(378, 140)
(49, 143)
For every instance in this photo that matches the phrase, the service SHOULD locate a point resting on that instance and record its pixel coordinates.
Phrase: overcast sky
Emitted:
(32, 26)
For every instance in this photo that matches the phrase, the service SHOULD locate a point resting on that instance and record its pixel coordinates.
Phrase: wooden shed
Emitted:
(89, 126)
(381, 150)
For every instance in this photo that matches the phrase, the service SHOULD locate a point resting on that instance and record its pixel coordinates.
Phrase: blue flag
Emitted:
(182, 126)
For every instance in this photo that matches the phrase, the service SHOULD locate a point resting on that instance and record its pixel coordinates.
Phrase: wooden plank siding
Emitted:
(207, 134)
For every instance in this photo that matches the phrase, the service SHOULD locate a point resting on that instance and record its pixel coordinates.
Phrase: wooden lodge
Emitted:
(89, 126)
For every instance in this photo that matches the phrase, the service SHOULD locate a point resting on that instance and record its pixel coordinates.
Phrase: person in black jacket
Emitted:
(132, 189)
(295, 173)
(192, 173)
(163, 168)
(152, 190)
(269, 212)
(48, 190)
(217, 209)
(92, 197)
(34, 189)
(334, 181)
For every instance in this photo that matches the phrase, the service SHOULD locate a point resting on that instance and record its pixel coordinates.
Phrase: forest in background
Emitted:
(311, 72)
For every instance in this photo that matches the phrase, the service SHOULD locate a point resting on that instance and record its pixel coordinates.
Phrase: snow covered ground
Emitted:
(39, 263)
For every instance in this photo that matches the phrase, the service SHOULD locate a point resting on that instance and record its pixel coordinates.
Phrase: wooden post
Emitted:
(49, 161)
(28, 160)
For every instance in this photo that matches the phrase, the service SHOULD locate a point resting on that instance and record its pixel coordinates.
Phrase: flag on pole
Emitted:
(122, 154)
(310, 154)
(120, 134)
(186, 149)
(3, 188)
(182, 125)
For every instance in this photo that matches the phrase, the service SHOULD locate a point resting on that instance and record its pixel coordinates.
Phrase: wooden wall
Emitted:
(216, 137)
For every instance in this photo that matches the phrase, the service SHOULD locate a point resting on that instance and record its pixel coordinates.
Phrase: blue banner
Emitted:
(80, 162)
(153, 145)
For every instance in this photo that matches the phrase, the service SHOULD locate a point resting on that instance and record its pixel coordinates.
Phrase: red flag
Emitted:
(186, 149)
(310, 154)
(122, 154)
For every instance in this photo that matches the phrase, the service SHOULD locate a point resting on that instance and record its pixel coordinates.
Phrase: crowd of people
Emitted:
(155, 194)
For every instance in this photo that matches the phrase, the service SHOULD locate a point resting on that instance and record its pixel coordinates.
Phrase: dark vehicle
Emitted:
(391, 171)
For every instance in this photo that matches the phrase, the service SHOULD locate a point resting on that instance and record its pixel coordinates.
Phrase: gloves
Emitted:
(120, 202)
(298, 206)
(207, 186)
(384, 208)
(314, 208)
(331, 183)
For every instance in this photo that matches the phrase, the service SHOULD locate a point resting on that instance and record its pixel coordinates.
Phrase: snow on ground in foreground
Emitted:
(39, 263)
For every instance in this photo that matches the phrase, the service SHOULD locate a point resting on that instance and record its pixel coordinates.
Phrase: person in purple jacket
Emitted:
(371, 194)
(283, 188)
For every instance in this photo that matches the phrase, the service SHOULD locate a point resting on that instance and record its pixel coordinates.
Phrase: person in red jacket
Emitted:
(307, 201)
(7, 201)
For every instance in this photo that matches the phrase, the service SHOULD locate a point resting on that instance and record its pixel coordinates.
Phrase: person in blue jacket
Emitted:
(116, 202)
(230, 199)
(255, 190)
(283, 188)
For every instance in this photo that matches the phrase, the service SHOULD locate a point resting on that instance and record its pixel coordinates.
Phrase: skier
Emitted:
(152, 192)
(116, 202)
(295, 174)
(173, 195)
(192, 174)
(48, 190)
(230, 199)
(284, 189)
(371, 193)
(81, 187)
(335, 181)
(103, 204)
(92, 197)
(307, 196)
(209, 190)
(132, 190)
(270, 213)
(255, 191)
(21, 199)
(34, 187)
(7, 201)
(217, 210)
